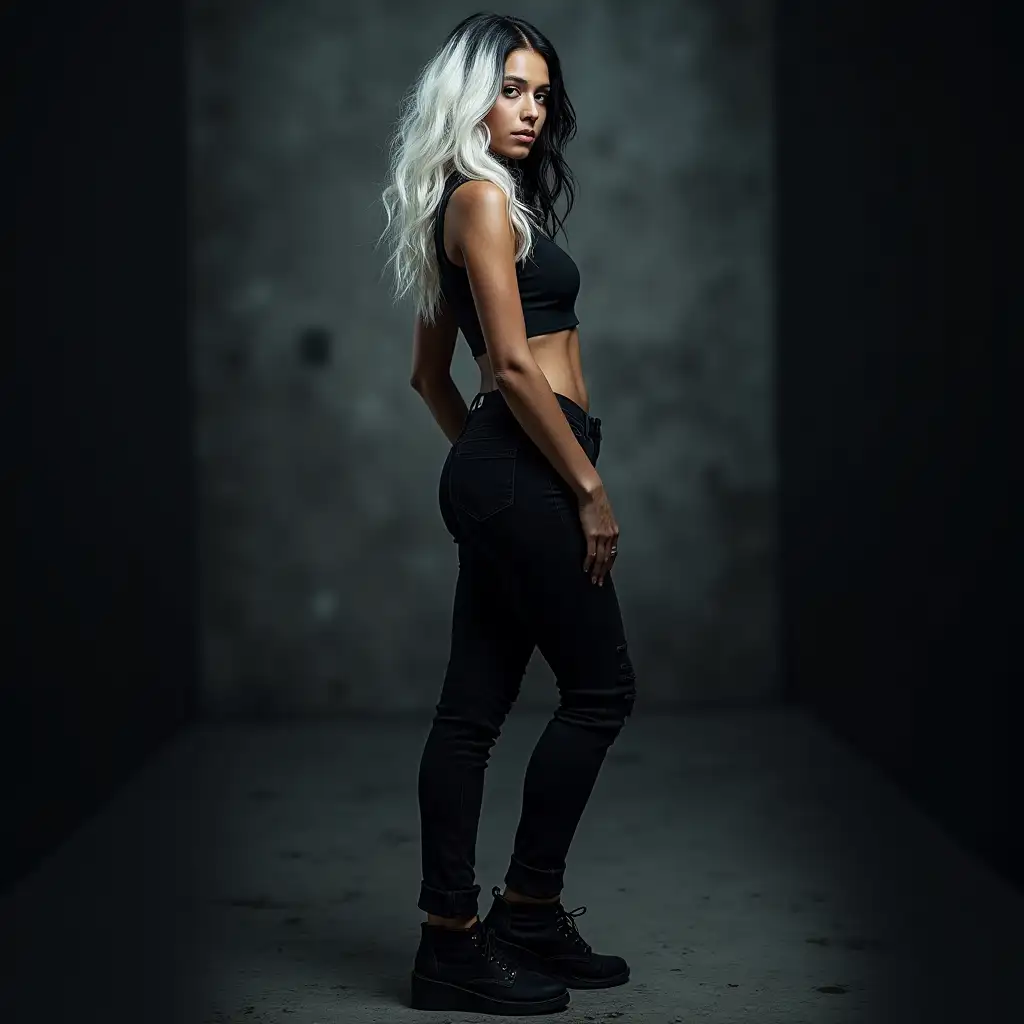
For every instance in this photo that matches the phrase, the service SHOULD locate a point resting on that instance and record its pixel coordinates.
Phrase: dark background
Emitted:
(105, 663)
(893, 398)
(894, 322)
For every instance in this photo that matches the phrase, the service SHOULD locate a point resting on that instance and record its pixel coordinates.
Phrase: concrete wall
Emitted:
(328, 575)
(900, 541)
(102, 664)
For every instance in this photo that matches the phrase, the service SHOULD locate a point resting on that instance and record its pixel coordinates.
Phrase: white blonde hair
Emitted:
(440, 129)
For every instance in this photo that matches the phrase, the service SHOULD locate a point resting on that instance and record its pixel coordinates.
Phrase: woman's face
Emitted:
(521, 105)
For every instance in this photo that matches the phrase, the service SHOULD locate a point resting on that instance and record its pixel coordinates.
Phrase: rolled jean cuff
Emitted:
(450, 903)
(540, 883)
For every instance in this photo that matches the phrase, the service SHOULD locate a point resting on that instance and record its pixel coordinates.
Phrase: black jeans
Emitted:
(521, 584)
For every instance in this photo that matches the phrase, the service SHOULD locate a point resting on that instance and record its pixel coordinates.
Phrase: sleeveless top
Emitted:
(549, 282)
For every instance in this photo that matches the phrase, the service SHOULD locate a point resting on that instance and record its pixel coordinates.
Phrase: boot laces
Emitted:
(567, 925)
(492, 952)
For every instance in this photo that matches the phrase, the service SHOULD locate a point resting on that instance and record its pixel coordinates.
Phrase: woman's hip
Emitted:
(494, 466)
(490, 417)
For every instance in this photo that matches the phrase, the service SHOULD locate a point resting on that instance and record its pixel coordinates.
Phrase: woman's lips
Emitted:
(522, 138)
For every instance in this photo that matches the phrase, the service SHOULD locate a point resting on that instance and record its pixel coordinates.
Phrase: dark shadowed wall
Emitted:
(328, 575)
(98, 409)
(899, 557)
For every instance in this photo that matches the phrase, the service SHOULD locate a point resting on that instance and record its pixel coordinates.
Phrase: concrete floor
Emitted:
(747, 866)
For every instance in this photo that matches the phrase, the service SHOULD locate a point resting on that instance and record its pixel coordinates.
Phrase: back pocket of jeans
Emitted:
(483, 477)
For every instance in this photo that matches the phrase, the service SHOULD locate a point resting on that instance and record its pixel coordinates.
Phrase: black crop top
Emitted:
(549, 282)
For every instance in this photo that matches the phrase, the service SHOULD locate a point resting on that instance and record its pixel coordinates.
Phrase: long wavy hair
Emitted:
(440, 129)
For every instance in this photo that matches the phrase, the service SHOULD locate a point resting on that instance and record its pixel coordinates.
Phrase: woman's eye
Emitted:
(541, 96)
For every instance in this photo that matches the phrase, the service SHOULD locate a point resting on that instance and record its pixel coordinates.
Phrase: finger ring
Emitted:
(614, 549)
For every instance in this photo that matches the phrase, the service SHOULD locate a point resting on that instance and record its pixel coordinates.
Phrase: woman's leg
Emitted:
(522, 521)
(490, 649)
(540, 548)
(586, 649)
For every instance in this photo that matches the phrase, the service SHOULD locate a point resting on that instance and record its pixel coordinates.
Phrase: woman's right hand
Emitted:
(601, 531)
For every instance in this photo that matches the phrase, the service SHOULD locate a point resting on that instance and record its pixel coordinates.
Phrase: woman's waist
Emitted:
(557, 356)
(490, 407)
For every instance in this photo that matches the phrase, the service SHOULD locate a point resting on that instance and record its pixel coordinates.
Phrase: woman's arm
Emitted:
(433, 346)
(446, 404)
(485, 236)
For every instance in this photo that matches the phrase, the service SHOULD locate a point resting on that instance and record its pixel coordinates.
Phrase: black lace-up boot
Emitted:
(462, 969)
(544, 937)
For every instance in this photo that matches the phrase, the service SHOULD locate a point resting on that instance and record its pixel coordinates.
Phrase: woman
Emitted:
(469, 202)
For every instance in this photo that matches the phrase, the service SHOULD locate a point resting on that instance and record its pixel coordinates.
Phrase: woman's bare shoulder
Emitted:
(478, 206)
(477, 194)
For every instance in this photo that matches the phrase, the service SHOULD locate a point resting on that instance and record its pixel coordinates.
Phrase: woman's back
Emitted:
(546, 283)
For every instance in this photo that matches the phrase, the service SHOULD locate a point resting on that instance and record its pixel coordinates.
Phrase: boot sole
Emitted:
(431, 994)
(528, 959)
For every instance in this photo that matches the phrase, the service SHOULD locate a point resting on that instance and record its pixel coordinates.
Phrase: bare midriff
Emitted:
(557, 355)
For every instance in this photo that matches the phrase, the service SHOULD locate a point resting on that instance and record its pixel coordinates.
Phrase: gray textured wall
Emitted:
(327, 572)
